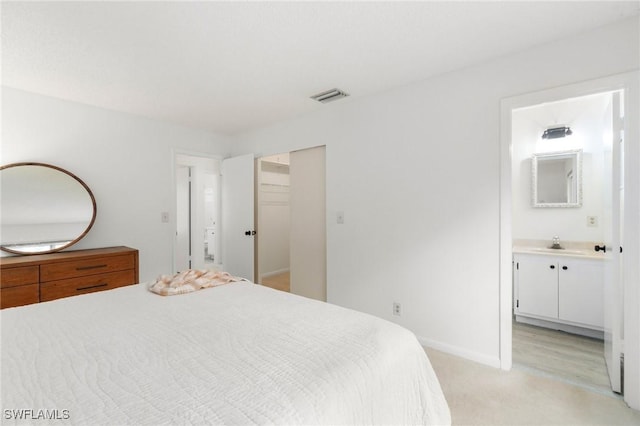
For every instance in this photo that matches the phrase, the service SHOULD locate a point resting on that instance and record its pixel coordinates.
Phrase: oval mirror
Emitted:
(44, 208)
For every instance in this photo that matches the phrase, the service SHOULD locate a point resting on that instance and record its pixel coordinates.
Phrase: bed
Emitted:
(239, 353)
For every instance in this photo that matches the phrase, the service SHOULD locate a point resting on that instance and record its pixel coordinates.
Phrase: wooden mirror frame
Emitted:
(75, 240)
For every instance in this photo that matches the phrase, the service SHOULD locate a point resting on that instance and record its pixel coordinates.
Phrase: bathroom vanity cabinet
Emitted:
(560, 289)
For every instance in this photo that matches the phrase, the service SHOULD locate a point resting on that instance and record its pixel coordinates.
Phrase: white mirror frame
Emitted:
(577, 155)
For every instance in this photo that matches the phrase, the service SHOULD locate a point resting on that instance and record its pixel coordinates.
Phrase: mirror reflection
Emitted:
(43, 208)
(557, 179)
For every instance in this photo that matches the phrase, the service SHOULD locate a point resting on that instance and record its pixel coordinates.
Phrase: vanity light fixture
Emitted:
(330, 95)
(557, 132)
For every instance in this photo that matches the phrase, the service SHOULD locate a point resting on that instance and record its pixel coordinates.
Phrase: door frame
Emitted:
(175, 152)
(631, 271)
(177, 248)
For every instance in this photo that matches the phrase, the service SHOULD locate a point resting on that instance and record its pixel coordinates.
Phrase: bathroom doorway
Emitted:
(197, 212)
(559, 278)
(621, 314)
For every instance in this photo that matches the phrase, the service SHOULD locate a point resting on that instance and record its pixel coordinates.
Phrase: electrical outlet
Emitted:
(340, 218)
(592, 221)
(397, 309)
(164, 217)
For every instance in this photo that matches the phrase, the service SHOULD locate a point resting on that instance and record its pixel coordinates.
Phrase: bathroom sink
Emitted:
(562, 251)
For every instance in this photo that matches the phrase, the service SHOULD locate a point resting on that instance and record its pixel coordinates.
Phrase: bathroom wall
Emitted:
(587, 118)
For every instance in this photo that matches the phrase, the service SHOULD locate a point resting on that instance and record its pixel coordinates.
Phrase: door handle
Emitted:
(599, 248)
(249, 233)
(564, 268)
(552, 266)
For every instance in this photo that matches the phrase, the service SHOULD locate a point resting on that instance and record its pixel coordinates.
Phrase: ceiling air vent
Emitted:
(329, 95)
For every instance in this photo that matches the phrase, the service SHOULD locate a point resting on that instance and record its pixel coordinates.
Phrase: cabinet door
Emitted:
(537, 281)
(581, 291)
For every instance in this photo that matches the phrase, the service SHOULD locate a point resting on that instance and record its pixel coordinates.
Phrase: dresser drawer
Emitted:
(11, 277)
(18, 296)
(80, 268)
(64, 288)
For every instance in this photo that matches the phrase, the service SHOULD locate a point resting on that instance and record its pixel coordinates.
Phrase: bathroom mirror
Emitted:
(557, 179)
(43, 209)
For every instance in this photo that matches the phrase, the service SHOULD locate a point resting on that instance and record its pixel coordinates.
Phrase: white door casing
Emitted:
(182, 250)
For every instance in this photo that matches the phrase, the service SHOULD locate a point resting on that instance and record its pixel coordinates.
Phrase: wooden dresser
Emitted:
(40, 278)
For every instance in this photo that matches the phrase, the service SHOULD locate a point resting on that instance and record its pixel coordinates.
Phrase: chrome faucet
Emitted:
(556, 243)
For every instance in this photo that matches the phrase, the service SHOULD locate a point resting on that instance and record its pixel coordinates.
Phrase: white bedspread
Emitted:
(236, 354)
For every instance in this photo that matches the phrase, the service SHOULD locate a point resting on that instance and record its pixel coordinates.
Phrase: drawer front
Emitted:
(18, 296)
(11, 277)
(80, 268)
(64, 288)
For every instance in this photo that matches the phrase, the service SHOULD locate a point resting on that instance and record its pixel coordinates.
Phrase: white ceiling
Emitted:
(233, 66)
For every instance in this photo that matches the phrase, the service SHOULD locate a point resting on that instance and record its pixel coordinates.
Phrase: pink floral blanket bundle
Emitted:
(189, 281)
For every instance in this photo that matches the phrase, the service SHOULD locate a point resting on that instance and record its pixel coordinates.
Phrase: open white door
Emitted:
(613, 301)
(238, 215)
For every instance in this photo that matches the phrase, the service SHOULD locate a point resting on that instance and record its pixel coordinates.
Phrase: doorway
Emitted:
(197, 182)
(291, 218)
(559, 320)
(273, 221)
(627, 320)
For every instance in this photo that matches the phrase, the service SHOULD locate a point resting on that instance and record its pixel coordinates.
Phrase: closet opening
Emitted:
(273, 221)
(291, 222)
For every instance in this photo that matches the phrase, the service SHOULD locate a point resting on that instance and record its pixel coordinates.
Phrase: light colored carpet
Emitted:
(482, 395)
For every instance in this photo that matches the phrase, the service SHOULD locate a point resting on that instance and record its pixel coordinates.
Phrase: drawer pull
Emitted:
(84, 268)
(92, 286)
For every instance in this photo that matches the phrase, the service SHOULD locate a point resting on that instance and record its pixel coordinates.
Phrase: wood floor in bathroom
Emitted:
(571, 358)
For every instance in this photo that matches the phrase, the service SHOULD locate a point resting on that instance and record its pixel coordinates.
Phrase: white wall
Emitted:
(416, 172)
(586, 117)
(126, 160)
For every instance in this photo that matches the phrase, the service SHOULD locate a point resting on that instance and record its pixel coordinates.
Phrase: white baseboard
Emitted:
(461, 352)
(272, 273)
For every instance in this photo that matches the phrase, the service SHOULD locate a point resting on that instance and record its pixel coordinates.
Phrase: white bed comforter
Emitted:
(236, 354)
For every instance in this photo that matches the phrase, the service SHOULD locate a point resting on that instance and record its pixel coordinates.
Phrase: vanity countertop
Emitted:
(581, 250)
